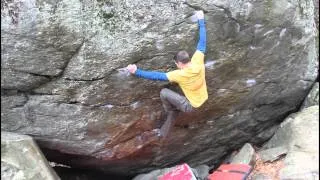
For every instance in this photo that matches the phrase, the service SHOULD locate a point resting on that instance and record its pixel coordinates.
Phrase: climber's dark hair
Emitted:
(182, 56)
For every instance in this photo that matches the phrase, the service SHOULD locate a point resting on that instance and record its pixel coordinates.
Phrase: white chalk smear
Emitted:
(123, 72)
(251, 82)
(210, 64)
(267, 33)
(258, 25)
(254, 47)
(109, 106)
(283, 32)
(135, 105)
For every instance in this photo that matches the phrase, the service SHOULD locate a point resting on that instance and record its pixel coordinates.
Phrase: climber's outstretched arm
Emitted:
(202, 36)
(198, 56)
(152, 75)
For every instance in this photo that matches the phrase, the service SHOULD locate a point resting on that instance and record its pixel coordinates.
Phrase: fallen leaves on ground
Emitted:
(269, 169)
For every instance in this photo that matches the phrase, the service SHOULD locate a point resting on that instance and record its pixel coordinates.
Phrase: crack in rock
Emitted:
(115, 70)
(83, 41)
(195, 7)
(227, 12)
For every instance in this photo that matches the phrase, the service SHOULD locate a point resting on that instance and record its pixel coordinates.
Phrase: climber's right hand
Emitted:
(132, 68)
(199, 14)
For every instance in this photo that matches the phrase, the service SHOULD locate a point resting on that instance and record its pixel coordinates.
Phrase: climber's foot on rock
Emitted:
(153, 136)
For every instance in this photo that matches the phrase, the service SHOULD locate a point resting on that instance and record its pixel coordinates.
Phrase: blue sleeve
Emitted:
(152, 75)
(202, 36)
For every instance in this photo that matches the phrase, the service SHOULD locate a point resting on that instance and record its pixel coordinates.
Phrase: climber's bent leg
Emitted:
(168, 124)
(174, 101)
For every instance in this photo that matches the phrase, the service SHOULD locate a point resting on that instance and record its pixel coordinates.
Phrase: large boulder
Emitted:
(21, 159)
(60, 84)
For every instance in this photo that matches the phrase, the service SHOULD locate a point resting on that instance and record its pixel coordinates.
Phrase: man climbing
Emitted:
(190, 76)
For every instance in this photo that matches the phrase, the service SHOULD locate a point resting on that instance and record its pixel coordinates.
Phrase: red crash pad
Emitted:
(180, 172)
(231, 172)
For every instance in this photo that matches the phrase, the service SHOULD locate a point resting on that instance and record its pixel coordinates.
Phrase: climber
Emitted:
(190, 76)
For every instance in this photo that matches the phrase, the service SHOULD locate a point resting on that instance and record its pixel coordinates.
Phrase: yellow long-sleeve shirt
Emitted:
(192, 80)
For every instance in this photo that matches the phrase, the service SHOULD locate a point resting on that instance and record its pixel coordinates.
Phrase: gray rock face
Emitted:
(292, 132)
(201, 172)
(299, 134)
(246, 155)
(21, 159)
(260, 177)
(153, 175)
(60, 83)
(316, 12)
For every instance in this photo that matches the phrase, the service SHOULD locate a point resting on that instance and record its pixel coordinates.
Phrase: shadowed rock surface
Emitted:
(60, 84)
(313, 97)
